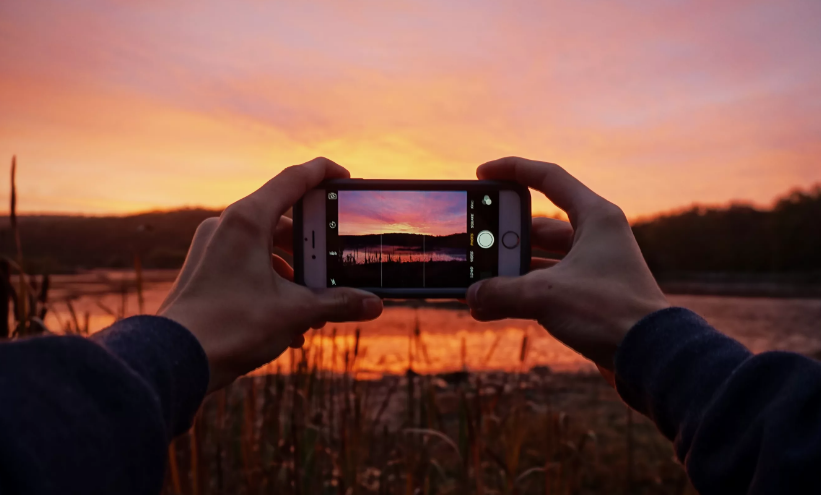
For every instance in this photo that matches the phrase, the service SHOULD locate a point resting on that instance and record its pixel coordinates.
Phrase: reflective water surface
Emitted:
(402, 254)
(446, 339)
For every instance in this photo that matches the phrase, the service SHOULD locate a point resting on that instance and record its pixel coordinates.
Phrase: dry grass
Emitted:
(28, 297)
(310, 431)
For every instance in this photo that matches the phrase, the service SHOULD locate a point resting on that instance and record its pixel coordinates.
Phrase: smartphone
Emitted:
(411, 238)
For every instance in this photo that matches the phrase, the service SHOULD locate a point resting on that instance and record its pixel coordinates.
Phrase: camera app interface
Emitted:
(411, 239)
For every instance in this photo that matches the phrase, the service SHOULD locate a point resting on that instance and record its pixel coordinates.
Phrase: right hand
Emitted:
(590, 299)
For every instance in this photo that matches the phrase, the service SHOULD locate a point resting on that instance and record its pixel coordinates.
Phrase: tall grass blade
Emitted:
(5, 295)
(492, 349)
(138, 270)
(173, 467)
(22, 292)
(195, 457)
(437, 434)
(524, 349)
(42, 298)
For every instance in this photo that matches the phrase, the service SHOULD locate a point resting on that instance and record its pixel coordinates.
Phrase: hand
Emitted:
(237, 300)
(590, 299)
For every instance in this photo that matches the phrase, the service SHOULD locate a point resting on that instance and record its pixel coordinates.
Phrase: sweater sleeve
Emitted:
(740, 423)
(95, 415)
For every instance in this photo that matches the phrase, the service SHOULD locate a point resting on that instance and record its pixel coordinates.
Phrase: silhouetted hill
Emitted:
(739, 239)
(59, 244)
(431, 242)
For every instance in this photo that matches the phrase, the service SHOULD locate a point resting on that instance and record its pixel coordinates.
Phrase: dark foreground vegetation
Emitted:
(308, 431)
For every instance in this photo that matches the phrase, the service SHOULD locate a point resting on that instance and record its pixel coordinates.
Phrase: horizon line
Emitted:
(557, 213)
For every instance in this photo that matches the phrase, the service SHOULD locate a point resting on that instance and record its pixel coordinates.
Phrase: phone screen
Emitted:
(411, 239)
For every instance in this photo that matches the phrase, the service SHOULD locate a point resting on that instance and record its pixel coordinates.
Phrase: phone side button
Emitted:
(510, 240)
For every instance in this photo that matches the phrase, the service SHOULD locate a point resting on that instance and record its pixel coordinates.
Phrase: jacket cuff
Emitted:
(669, 367)
(168, 358)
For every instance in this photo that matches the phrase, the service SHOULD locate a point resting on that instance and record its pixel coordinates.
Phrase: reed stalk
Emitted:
(138, 273)
(173, 468)
(22, 289)
(6, 291)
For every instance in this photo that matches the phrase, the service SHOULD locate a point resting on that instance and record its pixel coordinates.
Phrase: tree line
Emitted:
(735, 239)
(66, 244)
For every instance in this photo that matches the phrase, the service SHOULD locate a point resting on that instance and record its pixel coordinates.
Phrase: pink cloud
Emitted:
(415, 212)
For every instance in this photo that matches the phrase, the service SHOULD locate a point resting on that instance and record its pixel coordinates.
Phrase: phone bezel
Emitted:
(417, 185)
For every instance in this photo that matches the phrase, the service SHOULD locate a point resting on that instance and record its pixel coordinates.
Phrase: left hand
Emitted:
(239, 302)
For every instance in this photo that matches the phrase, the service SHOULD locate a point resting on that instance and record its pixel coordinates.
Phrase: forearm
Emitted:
(95, 415)
(740, 423)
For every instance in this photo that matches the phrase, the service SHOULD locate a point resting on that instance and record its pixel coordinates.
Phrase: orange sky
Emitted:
(128, 106)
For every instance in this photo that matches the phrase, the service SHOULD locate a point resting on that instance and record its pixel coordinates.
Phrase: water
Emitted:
(402, 254)
(386, 345)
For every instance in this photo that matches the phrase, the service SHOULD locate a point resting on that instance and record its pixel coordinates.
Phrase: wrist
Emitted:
(183, 318)
(631, 315)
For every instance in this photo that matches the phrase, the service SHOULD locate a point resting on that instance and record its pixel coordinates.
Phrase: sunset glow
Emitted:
(402, 212)
(130, 106)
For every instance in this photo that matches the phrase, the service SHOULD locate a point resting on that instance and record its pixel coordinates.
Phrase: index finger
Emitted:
(564, 190)
(283, 191)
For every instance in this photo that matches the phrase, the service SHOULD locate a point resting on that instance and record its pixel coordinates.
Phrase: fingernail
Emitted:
(371, 307)
(471, 296)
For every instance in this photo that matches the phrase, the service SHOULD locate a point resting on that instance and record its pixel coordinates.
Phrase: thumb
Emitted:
(508, 297)
(346, 304)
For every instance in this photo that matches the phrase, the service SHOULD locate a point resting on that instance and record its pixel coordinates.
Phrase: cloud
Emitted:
(435, 213)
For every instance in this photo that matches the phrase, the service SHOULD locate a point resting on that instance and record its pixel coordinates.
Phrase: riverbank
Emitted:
(780, 285)
(808, 285)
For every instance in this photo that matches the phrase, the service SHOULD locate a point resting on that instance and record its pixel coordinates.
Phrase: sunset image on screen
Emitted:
(403, 238)
(433, 213)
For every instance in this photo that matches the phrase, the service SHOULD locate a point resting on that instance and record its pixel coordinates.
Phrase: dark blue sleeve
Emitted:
(95, 415)
(740, 423)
